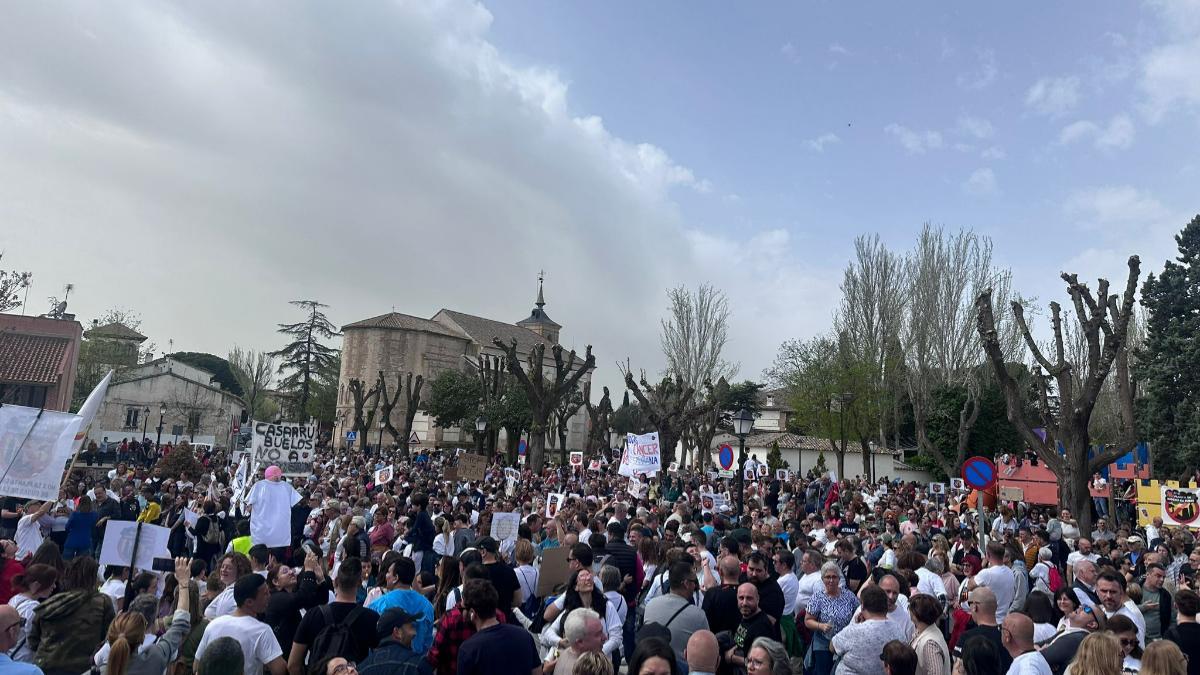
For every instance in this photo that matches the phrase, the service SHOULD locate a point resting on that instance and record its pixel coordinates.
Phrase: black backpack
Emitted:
(336, 638)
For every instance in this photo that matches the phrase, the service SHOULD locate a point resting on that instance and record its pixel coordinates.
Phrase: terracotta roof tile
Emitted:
(33, 359)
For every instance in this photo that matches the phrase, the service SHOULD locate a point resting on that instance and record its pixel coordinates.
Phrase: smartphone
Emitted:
(163, 565)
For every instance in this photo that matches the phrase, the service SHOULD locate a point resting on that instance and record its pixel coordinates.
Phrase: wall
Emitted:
(217, 409)
(58, 396)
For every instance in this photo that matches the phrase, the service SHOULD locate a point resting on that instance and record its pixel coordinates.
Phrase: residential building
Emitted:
(39, 357)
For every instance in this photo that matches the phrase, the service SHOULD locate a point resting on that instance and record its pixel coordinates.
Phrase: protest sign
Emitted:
(117, 548)
(720, 501)
(1180, 506)
(190, 517)
(883, 489)
(505, 525)
(594, 466)
(35, 446)
(937, 488)
(554, 572)
(673, 467)
(763, 471)
(385, 475)
(288, 445)
(782, 474)
(471, 467)
(706, 502)
(749, 474)
(576, 460)
(636, 488)
(512, 474)
(958, 485)
(641, 455)
(553, 502)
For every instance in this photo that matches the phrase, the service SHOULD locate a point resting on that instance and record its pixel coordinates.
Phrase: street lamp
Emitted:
(742, 424)
(382, 424)
(480, 427)
(162, 412)
(145, 421)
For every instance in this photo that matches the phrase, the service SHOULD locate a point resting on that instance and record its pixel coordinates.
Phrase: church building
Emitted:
(400, 343)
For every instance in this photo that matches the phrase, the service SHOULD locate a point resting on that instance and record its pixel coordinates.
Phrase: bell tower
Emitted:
(538, 321)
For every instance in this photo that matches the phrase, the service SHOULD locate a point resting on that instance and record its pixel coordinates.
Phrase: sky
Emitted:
(202, 164)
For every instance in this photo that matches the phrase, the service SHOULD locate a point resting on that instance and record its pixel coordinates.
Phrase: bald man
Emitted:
(981, 602)
(1017, 636)
(703, 654)
(10, 631)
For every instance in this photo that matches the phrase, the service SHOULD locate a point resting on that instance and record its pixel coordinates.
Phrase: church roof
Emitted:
(116, 330)
(398, 321)
(538, 317)
(482, 330)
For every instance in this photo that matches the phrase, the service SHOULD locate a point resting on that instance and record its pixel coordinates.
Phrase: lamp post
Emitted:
(480, 427)
(162, 412)
(145, 421)
(742, 424)
(379, 446)
(844, 400)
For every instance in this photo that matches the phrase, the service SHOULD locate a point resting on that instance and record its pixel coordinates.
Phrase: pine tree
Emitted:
(1168, 367)
(774, 458)
(305, 356)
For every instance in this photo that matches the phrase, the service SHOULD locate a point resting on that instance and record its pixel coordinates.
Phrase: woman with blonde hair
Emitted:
(593, 663)
(1099, 654)
(1163, 658)
(126, 634)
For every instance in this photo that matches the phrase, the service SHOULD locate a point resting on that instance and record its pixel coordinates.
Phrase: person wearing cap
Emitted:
(271, 503)
(503, 578)
(394, 655)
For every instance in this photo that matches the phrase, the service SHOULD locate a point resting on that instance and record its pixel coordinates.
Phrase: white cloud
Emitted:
(993, 152)
(915, 142)
(1114, 205)
(1053, 96)
(818, 144)
(984, 75)
(292, 151)
(790, 51)
(836, 48)
(1169, 78)
(1116, 135)
(981, 183)
(975, 126)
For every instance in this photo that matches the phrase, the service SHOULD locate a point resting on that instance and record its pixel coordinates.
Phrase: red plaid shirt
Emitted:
(452, 630)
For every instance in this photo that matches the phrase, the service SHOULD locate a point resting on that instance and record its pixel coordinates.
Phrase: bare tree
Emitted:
(669, 405)
(364, 409)
(695, 335)
(711, 418)
(493, 378)
(192, 402)
(253, 371)
(544, 393)
(945, 273)
(1104, 322)
(869, 323)
(561, 420)
(11, 286)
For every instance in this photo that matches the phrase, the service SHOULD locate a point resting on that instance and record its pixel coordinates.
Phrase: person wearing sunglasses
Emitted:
(11, 628)
(1061, 649)
(1127, 632)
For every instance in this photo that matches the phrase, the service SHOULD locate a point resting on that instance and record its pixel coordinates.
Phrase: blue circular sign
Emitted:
(979, 473)
(725, 457)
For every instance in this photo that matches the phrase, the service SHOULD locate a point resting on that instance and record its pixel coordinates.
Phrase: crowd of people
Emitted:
(332, 574)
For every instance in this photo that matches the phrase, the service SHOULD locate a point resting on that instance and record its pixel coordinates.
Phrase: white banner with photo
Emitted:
(641, 455)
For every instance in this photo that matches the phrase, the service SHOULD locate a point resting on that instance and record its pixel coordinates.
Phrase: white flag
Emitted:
(88, 411)
(35, 446)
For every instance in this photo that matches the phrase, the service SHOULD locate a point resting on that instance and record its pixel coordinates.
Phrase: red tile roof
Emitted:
(31, 359)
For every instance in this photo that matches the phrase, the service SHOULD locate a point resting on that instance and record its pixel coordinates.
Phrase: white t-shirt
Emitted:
(271, 517)
(1029, 663)
(115, 589)
(221, 605)
(999, 580)
(259, 646)
(790, 585)
(29, 534)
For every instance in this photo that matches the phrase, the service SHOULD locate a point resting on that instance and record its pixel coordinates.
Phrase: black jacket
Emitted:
(624, 558)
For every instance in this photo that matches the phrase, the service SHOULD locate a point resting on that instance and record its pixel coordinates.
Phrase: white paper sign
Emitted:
(576, 459)
(553, 502)
(958, 484)
(190, 517)
(384, 475)
(505, 525)
(289, 445)
(641, 455)
(937, 488)
(35, 446)
(117, 548)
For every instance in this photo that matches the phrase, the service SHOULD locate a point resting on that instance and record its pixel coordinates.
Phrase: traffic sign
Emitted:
(725, 456)
(351, 435)
(979, 473)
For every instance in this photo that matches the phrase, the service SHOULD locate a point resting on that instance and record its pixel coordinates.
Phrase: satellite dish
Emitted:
(60, 308)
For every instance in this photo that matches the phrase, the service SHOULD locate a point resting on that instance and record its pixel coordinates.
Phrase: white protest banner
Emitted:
(87, 411)
(117, 548)
(1180, 506)
(636, 488)
(553, 502)
(720, 501)
(641, 455)
(505, 525)
(288, 445)
(577, 460)
(35, 446)
(384, 475)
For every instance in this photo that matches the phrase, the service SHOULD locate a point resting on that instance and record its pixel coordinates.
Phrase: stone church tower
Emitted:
(538, 321)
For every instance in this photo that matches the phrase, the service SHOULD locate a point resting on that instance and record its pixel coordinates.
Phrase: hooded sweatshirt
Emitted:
(68, 628)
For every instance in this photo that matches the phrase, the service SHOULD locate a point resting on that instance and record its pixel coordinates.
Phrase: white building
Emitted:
(191, 405)
(800, 454)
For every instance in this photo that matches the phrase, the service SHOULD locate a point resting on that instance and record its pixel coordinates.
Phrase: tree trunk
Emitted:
(866, 455)
(535, 453)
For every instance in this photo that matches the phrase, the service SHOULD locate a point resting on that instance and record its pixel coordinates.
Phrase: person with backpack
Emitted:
(259, 646)
(341, 628)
